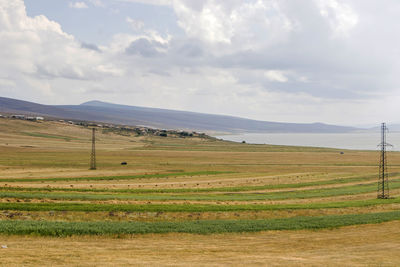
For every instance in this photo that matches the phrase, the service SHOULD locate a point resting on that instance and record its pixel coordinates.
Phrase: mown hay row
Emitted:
(89, 207)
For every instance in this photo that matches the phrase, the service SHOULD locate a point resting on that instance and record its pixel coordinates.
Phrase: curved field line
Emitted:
(282, 195)
(108, 178)
(198, 190)
(88, 207)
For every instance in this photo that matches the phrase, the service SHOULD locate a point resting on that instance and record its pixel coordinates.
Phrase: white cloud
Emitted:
(208, 23)
(341, 16)
(36, 50)
(97, 3)
(135, 24)
(78, 5)
(276, 76)
(6, 83)
(244, 24)
(149, 2)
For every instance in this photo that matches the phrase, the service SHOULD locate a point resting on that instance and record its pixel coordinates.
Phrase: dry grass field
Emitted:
(189, 201)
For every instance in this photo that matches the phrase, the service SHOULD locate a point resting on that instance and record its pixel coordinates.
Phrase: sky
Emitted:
(330, 61)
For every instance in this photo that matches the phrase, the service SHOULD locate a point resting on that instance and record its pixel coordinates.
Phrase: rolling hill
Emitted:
(161, 118)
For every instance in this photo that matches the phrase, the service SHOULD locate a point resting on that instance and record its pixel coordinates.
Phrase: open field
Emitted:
(182, 201)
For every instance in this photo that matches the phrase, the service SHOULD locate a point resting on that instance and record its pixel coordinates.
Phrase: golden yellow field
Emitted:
(369, 245)
(188, 201)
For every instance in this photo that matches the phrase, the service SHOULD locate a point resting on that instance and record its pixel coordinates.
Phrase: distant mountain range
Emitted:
(162, 118)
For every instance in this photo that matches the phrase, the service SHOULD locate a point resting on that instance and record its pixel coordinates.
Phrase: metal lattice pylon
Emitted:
(93, 155)
(383, 182)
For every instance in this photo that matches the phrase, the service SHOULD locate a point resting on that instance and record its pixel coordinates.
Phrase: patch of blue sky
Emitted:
(97, 25)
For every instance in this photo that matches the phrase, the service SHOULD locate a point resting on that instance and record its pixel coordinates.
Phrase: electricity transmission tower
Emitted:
(93, 155)
(383, 182)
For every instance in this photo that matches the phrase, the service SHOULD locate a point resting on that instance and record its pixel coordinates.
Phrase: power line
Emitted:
(93, 154)
(383, 181)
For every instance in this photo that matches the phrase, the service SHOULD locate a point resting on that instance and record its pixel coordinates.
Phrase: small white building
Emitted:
(34, 118)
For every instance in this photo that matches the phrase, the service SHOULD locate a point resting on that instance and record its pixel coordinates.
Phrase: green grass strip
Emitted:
(89, 207)
(101, 178)
(47, 228)
(66, 138)
(299, 194)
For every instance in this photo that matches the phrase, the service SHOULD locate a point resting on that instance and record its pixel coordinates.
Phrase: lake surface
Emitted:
(362, 141)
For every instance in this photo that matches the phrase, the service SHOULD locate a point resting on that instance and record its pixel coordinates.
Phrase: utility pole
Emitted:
(93, 155)
(383, 182)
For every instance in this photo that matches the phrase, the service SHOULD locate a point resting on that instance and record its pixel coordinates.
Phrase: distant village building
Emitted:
(34, 118)
(20, 117)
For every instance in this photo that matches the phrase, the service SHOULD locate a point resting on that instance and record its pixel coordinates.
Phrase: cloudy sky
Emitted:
(329, 61)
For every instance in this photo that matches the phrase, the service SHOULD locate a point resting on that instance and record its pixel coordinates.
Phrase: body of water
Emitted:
(361, 141)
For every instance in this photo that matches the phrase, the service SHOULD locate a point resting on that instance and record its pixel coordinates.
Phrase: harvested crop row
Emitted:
(198, 190)
(109, 178)
(282, 195)
(187, 207)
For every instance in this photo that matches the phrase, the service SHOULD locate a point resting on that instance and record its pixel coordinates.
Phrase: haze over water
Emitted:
(359, 141)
